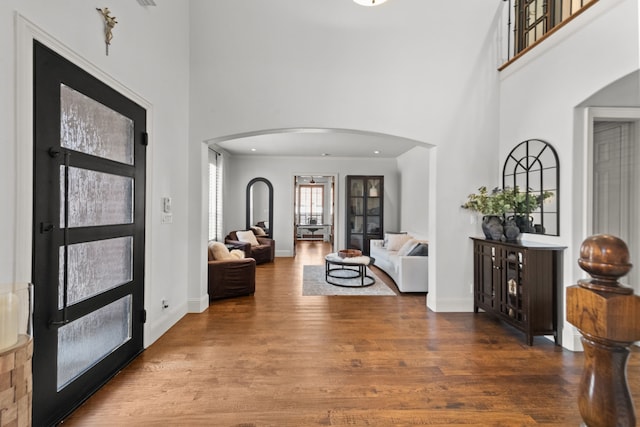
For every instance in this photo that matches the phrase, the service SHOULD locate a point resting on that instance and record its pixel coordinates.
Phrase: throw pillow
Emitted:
(407, 247)
(236, 253)
(247, 237)
(218, 251)
(258, 231)
(397, 240)
(389, 233)
(422, 249)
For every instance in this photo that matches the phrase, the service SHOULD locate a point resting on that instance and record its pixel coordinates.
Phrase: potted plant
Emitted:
(492, 205)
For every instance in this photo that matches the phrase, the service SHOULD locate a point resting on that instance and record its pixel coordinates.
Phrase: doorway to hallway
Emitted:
(313, 208)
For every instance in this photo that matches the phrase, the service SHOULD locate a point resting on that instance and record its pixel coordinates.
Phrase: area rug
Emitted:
(313, 283)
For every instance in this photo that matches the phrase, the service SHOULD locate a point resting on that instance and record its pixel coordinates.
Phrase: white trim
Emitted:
(432, 231)
(201, 303)
(26, 33)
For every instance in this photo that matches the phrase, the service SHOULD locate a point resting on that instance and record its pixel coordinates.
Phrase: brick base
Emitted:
(16, 384)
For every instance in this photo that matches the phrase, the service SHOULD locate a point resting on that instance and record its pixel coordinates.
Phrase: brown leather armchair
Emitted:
(230, 277)
(264, 252)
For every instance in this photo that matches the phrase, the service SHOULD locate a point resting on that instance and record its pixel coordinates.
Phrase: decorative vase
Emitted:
(524, 222)
(373, 190)
(511, 230)
(492, 227)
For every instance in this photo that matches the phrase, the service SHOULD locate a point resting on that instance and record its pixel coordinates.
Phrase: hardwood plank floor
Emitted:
(282, 359)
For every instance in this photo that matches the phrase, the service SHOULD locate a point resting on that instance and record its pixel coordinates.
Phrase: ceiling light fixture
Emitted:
(369, 2)
(312, 181)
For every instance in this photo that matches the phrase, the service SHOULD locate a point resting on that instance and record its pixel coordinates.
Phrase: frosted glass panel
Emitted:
(96, 198)
(95, 267)
(90, 127)
(84, 342)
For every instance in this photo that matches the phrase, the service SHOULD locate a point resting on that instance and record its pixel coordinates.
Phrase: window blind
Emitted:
(215, 195)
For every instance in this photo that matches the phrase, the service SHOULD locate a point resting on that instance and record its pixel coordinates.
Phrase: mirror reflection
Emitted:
(531, 168)
(260, 205)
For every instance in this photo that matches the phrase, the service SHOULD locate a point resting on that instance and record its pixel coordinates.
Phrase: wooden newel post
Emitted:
(608, 317)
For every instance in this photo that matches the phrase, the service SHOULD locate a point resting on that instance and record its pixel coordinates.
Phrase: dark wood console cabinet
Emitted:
(518, 283)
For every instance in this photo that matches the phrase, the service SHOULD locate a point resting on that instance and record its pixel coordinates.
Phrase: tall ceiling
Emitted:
(307, 77)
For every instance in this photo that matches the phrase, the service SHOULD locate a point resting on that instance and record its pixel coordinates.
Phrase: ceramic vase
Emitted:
(511, 230)
(492, 227)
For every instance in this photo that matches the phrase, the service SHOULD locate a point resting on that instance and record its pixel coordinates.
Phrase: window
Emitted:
(535, 18)
(215, 196)
(310, 204)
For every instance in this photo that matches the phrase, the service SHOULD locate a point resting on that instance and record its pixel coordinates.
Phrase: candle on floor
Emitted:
(9, 309)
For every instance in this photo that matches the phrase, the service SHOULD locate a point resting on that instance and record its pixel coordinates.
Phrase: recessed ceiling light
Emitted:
(253, 149)
(376, 152)
(369, 2)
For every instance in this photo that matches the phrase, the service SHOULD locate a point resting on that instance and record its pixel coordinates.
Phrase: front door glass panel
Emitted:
(96, 198)
(87, 340)
(92, 128)
(95, 267)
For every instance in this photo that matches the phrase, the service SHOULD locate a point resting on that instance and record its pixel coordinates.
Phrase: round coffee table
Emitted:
(353, 267)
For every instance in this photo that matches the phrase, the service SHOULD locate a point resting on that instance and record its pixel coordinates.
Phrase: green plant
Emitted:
(487, 203)
(499, 201)
(520, 202)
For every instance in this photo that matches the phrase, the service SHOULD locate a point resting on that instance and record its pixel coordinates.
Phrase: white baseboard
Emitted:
(450, 305)
(153, 331)
(198, 305)
(571, 338)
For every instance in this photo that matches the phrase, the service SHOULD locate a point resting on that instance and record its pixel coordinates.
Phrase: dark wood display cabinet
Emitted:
(365, 195)
(518, 283)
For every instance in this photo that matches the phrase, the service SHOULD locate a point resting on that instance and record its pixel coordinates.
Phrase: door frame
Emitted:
(335, 201)
(26, 33)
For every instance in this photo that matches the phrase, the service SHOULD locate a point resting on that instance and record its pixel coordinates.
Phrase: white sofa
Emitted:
(410, 273)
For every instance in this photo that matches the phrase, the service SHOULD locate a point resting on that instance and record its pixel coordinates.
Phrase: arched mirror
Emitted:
(260, 205)
(531, 170)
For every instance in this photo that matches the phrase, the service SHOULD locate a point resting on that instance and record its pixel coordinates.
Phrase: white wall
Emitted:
(280, 171)
(543, 96)
(137, 61)
(413, 168)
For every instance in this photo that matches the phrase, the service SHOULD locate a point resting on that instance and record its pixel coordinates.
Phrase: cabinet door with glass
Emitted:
(364, 211)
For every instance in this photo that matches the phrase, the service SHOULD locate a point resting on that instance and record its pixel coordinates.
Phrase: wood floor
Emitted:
(282, 359)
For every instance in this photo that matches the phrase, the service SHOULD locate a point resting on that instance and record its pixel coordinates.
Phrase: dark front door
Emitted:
(88, 210)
